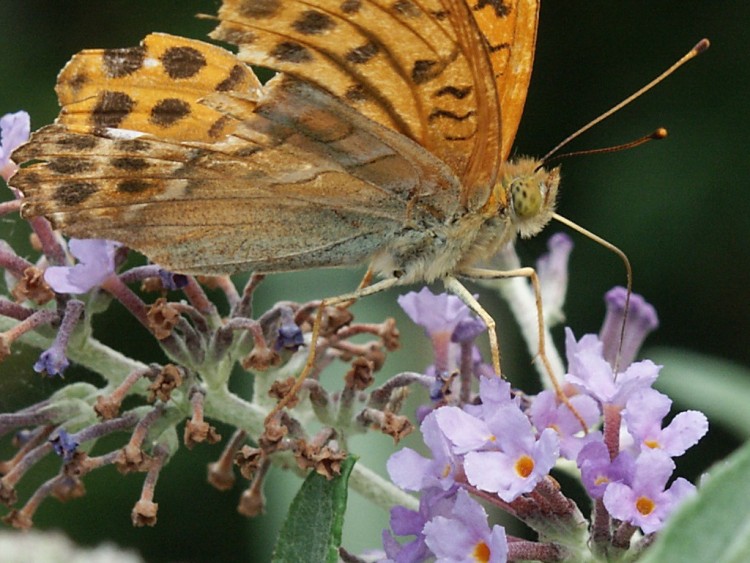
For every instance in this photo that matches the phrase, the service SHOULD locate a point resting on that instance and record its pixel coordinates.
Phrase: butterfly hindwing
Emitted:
(299, 159)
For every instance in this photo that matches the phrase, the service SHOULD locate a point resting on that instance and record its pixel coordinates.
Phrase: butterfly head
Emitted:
(531, 191)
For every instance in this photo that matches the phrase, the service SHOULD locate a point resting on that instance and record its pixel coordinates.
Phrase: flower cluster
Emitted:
(499, 446)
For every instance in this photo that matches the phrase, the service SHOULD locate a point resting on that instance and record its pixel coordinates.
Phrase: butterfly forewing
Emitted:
(153, 88)
(400, 63)
(509, 33)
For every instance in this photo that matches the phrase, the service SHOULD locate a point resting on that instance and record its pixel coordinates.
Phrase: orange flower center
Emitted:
(481, 552)
(653, 444)
(524, 466)
(645, 505)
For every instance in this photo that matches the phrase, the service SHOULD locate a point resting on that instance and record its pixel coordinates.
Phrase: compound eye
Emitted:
(527, 198)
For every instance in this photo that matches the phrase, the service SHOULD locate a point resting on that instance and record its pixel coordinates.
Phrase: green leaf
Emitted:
(715, 524)
(312, 530)
(717, 387)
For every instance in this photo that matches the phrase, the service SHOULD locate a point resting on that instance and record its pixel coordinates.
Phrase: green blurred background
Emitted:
(679, 208)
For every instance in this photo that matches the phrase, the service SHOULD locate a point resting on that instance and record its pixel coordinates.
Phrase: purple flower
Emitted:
(465, 432)
(552, 269)
(467, 330)
(494, 392)
(593, 375)
(643, 416)
(450, 326)
(96, 259)
(172, 281)
(465, 536)
(404, 522)
(14, 131)
(641, 320)
(598, 471)
(502, 454)
(64, 445)
(413, 472)
(547, 412)
(645, 502)
(52, 361)
(289, 335)
(436, 314)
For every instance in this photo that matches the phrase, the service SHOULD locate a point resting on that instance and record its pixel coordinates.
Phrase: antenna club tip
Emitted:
(660, 133)
(701, 46)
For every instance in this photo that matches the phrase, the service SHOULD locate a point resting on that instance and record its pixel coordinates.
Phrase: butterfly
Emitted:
(384, 138)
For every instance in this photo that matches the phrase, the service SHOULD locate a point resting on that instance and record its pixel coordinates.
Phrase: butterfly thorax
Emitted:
(521, 203)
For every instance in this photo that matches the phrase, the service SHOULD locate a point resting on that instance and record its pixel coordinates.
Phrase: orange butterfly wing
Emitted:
(439, 72)
(153, 88)
(509, 30)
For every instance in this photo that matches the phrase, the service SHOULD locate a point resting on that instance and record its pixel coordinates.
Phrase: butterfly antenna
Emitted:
(657, 135)
(700, 47)
(629, 273)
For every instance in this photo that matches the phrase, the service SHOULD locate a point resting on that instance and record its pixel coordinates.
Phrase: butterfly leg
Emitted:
(365, 282)
(483, 274)
(530, 273)
(457, 288)
(348, 298)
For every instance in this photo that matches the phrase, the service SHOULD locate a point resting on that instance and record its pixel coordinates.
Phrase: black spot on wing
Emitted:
(77, 142)
(69, 165)
(236, 75)
(111, 109)
(121, 62)
(313, 22)
(447, 114)
(133, 186)
(74, 193)
(129, 163)
(291, 52)
(182, 62)
(169, 111)
(502, 8)
(363, 53)
(351, 6)
(458, 93)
